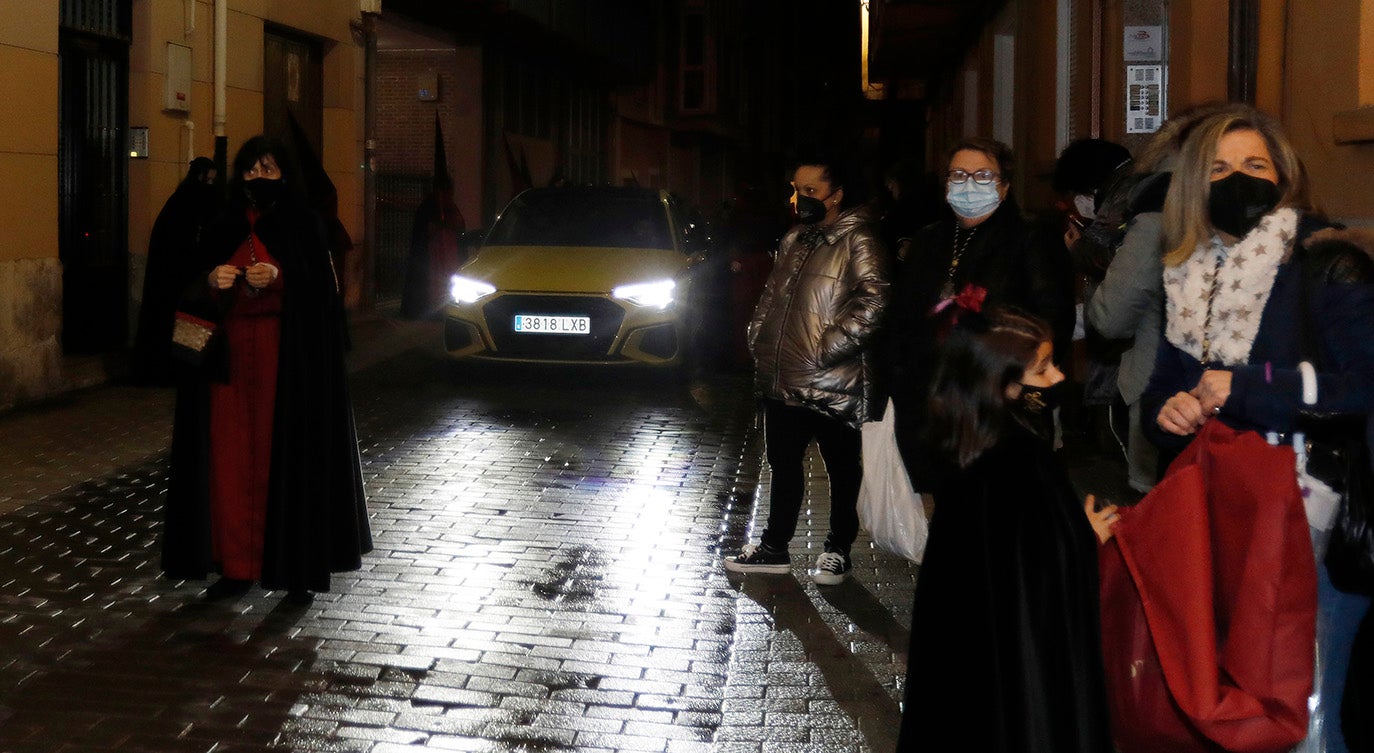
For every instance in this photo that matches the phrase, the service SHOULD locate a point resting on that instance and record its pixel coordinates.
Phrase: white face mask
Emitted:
(971, 200)
(1087, 208)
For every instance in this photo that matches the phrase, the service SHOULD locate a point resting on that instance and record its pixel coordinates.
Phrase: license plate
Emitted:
(540, 324)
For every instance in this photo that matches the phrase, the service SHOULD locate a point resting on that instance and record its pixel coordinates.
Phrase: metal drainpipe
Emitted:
(189, 29)
(221, 68)
(368, 292)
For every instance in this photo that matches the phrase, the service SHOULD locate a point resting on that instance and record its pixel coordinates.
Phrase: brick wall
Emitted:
(405, 124)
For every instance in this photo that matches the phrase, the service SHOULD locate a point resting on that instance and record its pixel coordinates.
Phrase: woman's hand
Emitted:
(1182, 414)
(223, 276)
(1212, 390)
(260, 275)
(1071, 236)
(1103, 521)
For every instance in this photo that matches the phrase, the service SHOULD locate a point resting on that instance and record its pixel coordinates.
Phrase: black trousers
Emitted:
(787, 432)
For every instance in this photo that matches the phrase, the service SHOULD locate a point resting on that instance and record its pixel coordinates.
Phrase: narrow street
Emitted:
(546, 578)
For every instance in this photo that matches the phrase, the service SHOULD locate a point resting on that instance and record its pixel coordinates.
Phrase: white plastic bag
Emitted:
(888, 508)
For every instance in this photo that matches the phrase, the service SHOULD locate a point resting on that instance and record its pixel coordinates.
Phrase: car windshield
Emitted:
(563, 217)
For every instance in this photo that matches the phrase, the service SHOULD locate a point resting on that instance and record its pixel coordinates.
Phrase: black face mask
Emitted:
(1238, 202)
(1036, 401)
(264, 192)
(810, 210)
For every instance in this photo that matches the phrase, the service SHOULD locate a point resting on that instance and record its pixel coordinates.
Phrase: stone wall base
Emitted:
(30, 330)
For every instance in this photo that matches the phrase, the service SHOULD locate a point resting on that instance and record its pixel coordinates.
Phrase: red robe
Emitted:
(1209, 600)
(241, 414)
(445, 256)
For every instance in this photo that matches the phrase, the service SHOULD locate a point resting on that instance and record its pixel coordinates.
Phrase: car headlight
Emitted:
(468, 290)
(656, 294)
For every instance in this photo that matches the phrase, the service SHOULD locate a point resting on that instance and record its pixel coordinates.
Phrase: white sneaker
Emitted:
(831, 569)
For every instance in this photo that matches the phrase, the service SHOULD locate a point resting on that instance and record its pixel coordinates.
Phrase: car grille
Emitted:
(605, 316)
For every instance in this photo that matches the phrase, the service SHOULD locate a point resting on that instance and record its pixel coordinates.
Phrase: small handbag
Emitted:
(1349, 555)
(191, 337)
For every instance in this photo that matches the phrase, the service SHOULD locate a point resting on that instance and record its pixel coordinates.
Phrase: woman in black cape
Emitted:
(312, 518)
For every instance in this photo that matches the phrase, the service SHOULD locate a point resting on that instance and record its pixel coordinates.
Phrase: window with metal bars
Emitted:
(104, 18)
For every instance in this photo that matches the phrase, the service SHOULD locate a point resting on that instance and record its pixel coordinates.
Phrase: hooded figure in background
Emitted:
(171, 265)
(435, 250)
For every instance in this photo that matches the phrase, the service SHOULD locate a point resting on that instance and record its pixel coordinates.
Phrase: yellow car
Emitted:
(576, 275)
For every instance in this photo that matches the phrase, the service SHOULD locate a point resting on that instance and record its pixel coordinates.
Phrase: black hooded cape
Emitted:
(172, 263)
(1005, 653)
(316, 511)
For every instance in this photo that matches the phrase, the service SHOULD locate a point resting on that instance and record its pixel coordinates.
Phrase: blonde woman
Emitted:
(1231, 381)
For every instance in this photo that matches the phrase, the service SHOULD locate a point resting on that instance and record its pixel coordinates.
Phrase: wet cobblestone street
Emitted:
(546, 578)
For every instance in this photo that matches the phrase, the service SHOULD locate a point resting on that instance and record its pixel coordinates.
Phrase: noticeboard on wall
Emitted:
(1145, 93)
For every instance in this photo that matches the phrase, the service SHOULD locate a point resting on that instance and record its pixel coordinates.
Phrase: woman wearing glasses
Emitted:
(983, 252)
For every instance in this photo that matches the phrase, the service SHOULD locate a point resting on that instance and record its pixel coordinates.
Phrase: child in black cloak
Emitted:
(1005, 651)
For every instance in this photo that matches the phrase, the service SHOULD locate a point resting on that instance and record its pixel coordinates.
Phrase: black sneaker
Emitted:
(831, 569)
(757, 558)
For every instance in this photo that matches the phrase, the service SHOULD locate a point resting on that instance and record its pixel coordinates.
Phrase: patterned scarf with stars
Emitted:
(1214, 299)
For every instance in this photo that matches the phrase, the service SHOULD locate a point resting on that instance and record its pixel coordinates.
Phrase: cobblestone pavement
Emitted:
(546, 578)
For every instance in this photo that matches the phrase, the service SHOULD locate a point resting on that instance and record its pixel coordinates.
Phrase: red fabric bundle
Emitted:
(1209, 598)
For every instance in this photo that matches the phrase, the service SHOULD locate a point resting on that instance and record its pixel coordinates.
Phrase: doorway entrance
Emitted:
(92, 159)
(292, 86)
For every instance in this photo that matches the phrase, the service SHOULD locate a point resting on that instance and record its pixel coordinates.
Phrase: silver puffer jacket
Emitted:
(815, 322)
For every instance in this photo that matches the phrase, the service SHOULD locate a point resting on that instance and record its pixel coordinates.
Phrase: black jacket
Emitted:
(316, 514)
(814, 323)
(1018, 265)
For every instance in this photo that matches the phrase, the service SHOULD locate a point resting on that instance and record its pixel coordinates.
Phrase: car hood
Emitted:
(571, 269)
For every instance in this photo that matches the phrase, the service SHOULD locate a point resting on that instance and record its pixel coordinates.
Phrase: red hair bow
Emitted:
(969, 299)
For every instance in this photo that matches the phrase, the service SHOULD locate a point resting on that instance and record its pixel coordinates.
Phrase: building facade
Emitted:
(693, 96)
(696, 96)
(118, 96)
(1040, 73)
